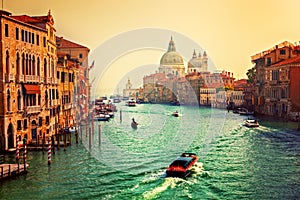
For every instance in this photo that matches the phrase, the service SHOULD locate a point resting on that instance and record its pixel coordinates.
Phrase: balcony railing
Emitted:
(273, 82)
(9, 77)
(20, 78)
(48, 80)
(33, 109)
(32, 78)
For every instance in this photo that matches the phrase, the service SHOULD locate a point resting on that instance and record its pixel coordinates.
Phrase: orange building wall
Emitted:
(295, 85)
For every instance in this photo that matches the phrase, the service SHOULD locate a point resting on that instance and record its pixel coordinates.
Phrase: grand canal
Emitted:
(234, 161)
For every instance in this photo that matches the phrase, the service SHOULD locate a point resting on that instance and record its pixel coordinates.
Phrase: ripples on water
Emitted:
(235, 161)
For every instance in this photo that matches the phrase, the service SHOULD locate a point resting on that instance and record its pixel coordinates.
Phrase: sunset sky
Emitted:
(230, 31)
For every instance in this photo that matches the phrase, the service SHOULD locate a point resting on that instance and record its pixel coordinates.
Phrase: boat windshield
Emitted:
(182, 162)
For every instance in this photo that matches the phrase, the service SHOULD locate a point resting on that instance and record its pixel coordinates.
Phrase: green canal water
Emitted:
(234, 161)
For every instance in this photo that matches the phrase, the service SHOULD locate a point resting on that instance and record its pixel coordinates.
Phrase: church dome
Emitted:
(171, 57)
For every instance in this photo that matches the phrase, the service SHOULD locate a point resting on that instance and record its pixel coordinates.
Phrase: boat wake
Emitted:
(172, 182)
(167, 183)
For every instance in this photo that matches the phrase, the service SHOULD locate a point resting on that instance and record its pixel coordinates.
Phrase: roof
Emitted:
(63, 43)
(293, 60)
(28, 19)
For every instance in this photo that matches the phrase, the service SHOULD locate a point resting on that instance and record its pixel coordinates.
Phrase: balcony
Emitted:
(67, 106)
(20, 78)
(54, 102)
(32, 78)
(9, 78)
(273, 82)
(33, 109)
(48, 80)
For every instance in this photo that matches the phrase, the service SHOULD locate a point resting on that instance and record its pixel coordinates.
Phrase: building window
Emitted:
(47, 120)
(26, 35)
(22, 35)
(62, 77)
(269, 61)
(25, 124)
(44, 41)
(40, 121)
(57, 74)
(80, 55)
(19, 99)
(282, 52)
(38, 67)
(37, 40)
(18, 64)
(17, 33)
(29, 37)
(7, 62)
(6, 30)
(19, 125)
(32, 38)
(8, 101)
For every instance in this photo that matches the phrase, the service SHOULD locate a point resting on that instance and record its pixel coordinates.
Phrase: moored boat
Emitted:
(182, 165)
(131, 103)
(101, 117)
(244, 111)
(251, 123)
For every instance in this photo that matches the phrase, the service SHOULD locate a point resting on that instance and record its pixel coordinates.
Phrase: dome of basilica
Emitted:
(171, 58)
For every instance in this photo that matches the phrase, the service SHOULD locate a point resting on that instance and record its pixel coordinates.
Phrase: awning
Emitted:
(32, 89)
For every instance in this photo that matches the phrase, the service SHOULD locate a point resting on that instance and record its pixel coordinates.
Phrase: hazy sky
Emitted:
(229, 30)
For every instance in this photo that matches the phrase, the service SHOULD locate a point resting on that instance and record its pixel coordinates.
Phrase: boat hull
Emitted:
(181, 166)
(134, 125)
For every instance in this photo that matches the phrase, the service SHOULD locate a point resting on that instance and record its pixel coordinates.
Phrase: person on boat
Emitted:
(133, 121)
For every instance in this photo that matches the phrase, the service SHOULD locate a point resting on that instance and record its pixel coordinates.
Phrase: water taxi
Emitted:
(251, 123)
(182, 165)
(131, 103)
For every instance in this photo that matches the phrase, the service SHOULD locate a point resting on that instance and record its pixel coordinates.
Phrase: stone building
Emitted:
(198, 63)
(28, 69)
(129, 91)
(67, 74)
(274, 86)
(78, 54)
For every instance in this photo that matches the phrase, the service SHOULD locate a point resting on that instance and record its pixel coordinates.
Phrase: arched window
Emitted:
(29, 65)
(26, 65)
(23, 64)
(18, 63)
(33, 66)
(19, 99)
(45, 68)
(46, 99)
(38, 67)
(8, 101)
(7, 62)
(52, 68)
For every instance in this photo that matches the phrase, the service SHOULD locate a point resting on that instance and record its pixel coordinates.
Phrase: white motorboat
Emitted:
(251, 123)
